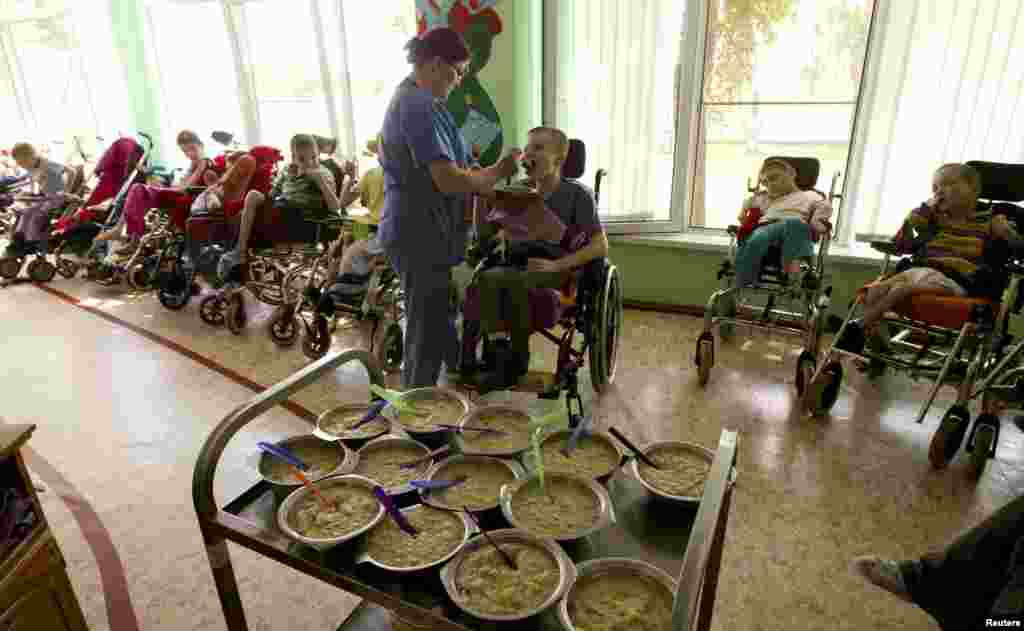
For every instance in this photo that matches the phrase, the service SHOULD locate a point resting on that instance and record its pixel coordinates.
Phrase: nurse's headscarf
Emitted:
(442, 42)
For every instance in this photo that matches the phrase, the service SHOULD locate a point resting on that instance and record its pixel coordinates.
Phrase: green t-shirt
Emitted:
(302, 192)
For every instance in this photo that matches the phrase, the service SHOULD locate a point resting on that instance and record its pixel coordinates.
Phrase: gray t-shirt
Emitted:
(49, 177)
(574, 204)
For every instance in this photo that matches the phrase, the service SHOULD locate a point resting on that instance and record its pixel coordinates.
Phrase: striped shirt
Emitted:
(955, 245)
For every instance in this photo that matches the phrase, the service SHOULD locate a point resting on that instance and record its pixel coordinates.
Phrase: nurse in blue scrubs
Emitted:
(427, 185)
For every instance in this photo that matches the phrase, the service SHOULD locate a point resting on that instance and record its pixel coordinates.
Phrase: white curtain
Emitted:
(615, 91)
(945, 83)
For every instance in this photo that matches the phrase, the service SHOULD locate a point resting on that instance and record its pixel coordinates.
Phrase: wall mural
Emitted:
(471, 106)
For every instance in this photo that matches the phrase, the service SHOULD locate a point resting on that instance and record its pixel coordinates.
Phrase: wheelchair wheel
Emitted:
(284, 326)
(982, 445)
(705, 357)
(211, 310)
(10, 267)
(822, 393)
(948, 437)
(604, 351)
(317, 341)
(805, 366)
(67, 268)
(235, 315)
(174, 291)
(389, 346)
(41, 271)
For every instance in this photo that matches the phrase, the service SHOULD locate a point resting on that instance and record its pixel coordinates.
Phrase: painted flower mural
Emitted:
(469, 103)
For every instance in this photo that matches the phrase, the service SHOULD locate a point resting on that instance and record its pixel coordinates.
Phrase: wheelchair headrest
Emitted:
(1000, 181)
(576, 162)
(807, 170)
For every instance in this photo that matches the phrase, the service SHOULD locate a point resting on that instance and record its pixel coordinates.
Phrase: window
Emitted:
(781, 77)
(680, 138)
(52, 88)
(327, 67)
(194, 65)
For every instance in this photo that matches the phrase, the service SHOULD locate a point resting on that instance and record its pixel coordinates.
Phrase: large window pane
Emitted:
(285, 65)
(782, 78)
(375, 33)
(9, 110)
(196, 69)
(617, 65)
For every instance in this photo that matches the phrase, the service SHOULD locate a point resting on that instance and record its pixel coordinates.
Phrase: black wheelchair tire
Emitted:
(41, 271)
(10, 267)
(211, 310)
(284, 326)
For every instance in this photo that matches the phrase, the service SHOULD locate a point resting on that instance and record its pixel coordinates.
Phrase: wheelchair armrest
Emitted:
(885, 247)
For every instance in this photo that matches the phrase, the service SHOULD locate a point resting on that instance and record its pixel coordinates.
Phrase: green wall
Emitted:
(143, 96)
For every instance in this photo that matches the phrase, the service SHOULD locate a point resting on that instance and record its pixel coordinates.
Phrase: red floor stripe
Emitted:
(241, 380)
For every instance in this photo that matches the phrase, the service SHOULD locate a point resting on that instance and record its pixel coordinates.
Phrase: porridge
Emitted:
(380, 463)
(488, 585)
(480, 490)
(620, 601)
(593, 456)
(563, 507)
(322, 460)
(429, 412)
(338, 423)
(356, 507)
(682, 471)
(514, 424)
(440, 533)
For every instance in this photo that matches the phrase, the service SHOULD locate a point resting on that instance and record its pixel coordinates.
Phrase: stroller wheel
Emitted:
(705, 357)
(982, 443)
(284, 326)
(10, 267)
(211, 310)
(948, 436)
(41, 271)
(235, 313)
(67, 268)
(822, 393)
(317, 340)
(389, 347)
(805, 366)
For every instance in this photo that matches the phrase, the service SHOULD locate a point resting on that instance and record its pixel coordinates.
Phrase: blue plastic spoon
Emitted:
(283, 454)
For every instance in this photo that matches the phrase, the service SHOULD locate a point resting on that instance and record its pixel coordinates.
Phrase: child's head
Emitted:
(326, 146)
(190, 145)
(25, 155)
(546, 151)
(304, 151)
(957, 186)
(778, 177)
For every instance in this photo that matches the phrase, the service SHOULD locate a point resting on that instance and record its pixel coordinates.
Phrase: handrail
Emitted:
(209, 455)
(702, 537)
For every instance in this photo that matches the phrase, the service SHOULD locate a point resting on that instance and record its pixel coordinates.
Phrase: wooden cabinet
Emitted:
(35, 593)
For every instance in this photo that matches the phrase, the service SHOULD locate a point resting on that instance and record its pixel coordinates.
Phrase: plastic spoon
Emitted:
(370, 415)
(437, 485)
(392, 510)
(283, 454)
(639, 454)
(504, 555)
(470, 428)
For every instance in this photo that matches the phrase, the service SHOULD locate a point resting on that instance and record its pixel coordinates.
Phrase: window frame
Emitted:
(689, 84)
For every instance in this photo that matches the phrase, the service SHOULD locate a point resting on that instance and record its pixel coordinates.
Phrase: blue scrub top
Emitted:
(418, 222)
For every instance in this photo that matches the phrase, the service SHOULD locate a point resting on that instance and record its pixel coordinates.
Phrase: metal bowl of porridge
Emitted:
(433, 406)
(484, 478)
(569, 507)
(441, 534)
(325, 459)
(618, 593)
(334, 424)
(683, 473)
(303, 517)
(379, 460)
(597, 455)
(511, 420)
(480, 583)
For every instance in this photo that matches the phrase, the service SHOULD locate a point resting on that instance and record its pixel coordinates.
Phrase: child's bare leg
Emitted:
(253, 203)
(333, 260)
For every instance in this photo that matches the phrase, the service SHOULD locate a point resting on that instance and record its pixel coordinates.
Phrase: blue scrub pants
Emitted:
(430, 337)
(794, 237)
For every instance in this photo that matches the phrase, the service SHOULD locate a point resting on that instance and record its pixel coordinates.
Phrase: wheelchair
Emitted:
(803, 310)
(375, 298)
(590, 305)
(959, 341)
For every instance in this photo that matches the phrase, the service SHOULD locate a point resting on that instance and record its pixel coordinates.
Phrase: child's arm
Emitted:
(325, 181)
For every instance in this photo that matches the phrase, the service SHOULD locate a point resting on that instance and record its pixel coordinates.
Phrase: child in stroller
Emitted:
(117, 164)
(31, 231)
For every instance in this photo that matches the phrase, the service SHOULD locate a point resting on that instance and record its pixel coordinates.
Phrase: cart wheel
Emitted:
(284, 326)
(822, 393)
(389, 347)
(948, 436)
(317, 341)
(211, 310)
(982, 444)
(67, 268)
(235, 313)
(41, 271)
(10, 267)
(805, 366)
(705, 357)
